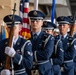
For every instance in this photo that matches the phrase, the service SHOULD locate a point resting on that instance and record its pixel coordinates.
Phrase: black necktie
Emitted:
(34, 41)
(62, 38)
(35, 36)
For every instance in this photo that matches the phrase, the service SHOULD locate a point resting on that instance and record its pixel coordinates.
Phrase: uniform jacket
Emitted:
(58, 54)
(42, 53)
(69, 52)
(23, 58)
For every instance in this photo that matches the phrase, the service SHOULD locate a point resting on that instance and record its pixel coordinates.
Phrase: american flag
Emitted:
(25, 32)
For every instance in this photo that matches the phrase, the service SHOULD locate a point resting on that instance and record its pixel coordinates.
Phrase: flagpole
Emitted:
(36, 4)
(53, 10)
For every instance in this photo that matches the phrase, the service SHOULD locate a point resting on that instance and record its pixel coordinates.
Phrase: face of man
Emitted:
(49, 31)
(75, 28)
(36, 25)
(16, 29)
(63, 28)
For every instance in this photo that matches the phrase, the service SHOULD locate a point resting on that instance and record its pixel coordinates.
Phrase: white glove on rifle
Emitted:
(10, 51)
(5, 72)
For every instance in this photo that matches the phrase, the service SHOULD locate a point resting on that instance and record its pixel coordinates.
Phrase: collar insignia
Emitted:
(45, 23)
(62, 18)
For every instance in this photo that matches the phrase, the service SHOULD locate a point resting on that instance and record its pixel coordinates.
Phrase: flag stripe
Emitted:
(24, 5)
(21, 14)
(25, 20)
(26, 10)
(25, 25)
(28, 31)
(25, 15)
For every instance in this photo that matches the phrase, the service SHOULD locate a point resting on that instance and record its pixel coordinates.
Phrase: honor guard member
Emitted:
(48, 27)
(57, 57)
(42, 42)
(69, 48)
(21, 51)
(73, 23)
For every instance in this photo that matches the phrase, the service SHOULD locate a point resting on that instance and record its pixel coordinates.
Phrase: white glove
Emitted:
(5, 72)
(10, 51)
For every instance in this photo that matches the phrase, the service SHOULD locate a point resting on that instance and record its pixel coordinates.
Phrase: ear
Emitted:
(42, 22)
(20, 27)
(69, 26)
(29, 21)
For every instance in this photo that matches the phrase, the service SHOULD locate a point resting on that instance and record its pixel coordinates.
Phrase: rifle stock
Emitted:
(8, 59)
(71, 30)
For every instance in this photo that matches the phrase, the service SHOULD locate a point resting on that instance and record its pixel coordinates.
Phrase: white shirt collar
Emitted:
(65, 35)
(37, 33)
(15, 40)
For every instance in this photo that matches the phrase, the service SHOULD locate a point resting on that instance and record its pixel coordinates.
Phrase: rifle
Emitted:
(8, 59)
(72, 27)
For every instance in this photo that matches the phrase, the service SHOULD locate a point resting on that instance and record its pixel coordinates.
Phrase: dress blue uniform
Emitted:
(57, 57)
(47, 25)
(75, 58)
(42, 54)
(24, 56)
(73, 20)
(69, 49)
(42, 46)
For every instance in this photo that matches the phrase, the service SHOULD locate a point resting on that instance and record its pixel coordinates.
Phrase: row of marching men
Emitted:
(49, 54)
(63, 57)
(53, 54)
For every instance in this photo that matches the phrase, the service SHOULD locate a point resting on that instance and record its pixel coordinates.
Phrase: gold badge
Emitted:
(62, 18)
(35, 13)
(71, 17)
(45, 23)
(10, 17)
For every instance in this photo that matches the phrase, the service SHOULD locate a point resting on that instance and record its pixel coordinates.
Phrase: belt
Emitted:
(21, 71)
(68, 61)
(40, 62)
